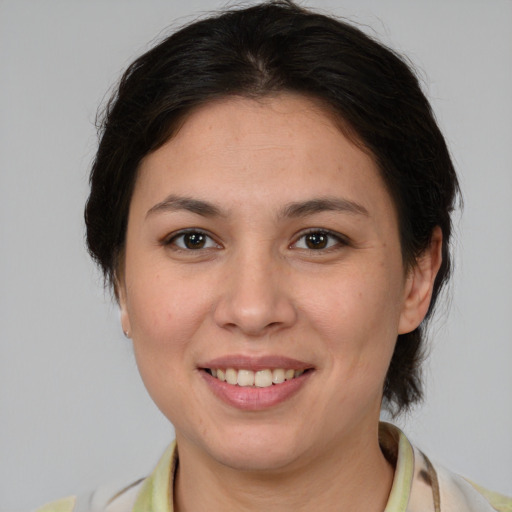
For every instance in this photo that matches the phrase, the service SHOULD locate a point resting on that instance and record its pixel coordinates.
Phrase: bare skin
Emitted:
(328, 484)
(261, 233)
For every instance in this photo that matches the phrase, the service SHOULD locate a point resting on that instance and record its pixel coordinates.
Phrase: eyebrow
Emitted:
(323, 204)
(173, 203)
(295, 209)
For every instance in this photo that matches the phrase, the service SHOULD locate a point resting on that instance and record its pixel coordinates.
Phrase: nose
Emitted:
(254, 297)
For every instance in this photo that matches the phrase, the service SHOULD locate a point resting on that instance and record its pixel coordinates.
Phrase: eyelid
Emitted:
(341, 239)
(169, 239)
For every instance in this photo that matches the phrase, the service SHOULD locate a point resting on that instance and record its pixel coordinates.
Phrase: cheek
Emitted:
(357, 316)
(164, 315)
(165, 320)
(357, 307)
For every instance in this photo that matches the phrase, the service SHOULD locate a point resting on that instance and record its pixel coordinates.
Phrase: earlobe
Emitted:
(123, 312)
(420, 284)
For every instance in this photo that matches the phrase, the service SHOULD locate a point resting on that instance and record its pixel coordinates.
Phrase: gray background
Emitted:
(74, 413)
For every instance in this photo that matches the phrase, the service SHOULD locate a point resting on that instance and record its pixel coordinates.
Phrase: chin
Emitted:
(255, 451)
(258, 461)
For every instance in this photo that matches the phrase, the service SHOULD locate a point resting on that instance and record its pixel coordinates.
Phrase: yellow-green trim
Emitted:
(156, 492)
(498, 501)
(62, 505)
(404, 472)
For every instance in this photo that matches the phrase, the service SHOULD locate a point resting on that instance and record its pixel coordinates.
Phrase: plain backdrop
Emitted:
(74, 413)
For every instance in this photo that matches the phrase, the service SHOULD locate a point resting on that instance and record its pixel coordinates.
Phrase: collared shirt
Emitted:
(418, 486)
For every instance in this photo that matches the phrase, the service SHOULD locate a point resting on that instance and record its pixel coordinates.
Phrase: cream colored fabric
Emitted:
(62, 505)
(418, 486)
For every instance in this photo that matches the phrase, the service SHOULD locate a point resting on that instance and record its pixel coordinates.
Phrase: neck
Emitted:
(351, 477)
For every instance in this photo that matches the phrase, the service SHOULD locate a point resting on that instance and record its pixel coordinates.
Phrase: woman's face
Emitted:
(262, 243)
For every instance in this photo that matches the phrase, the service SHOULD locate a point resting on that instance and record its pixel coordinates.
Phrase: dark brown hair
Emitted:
(261, 50)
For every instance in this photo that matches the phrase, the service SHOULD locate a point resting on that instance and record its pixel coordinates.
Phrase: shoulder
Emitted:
(457, 492)
(499, 501)
(62, 505)
(431, 487)
(145, 494)
(104, 499)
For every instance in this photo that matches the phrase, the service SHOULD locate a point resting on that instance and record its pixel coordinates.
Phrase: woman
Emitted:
(271, 203)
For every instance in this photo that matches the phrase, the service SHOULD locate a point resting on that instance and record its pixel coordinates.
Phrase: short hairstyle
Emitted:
(266, 49)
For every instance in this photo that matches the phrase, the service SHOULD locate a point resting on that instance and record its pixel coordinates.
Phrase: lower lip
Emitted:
(253, 398)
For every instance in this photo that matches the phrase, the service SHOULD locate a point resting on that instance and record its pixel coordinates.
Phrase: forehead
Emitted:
(253, 147)
(284, 116)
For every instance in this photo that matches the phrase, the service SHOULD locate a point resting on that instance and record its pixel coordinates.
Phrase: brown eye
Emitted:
(316, 240)
(192, 240)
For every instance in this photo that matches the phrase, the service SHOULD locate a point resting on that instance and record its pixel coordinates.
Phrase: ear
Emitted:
(420, 283)
(120, 291)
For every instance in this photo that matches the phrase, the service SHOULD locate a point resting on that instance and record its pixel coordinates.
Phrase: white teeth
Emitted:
(260, 379)
(278, 376)
(245, 378)
(231, 376)
(263, 379)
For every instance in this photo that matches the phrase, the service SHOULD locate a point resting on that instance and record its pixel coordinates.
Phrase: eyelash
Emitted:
(339, 240)
(331, 236)
(171, 240)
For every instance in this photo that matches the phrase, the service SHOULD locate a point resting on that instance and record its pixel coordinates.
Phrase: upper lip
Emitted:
(267, 362)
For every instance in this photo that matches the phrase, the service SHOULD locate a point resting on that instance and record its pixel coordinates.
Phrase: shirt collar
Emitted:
(399, 451)
(157, 490)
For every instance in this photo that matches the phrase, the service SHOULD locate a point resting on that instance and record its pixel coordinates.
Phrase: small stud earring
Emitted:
(126, 334)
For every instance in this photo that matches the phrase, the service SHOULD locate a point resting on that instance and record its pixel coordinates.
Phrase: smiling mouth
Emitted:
(256, 379)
